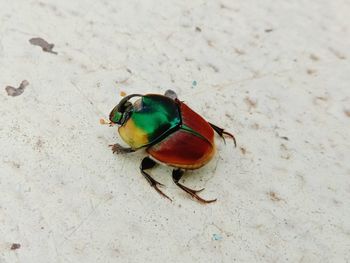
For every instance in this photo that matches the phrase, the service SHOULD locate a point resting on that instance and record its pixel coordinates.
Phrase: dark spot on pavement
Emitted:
(11, 91)
(239, 51)
(251, 103)
(314, 57)
(321, 100)
(336, 53)
(274, 197)
(46, 47)
(243, 150)
(15, 246)
(347, 113)
(215, 68)
(255, 126)
(210, 43)
(285, 154)
(311, 71)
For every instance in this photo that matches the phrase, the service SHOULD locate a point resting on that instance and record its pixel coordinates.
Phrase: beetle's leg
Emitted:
(221, 133)
(117, 148)
(148, 163)
(177, 174)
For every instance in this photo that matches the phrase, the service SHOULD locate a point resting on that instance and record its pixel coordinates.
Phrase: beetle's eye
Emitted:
(127, 106)
(115, 116)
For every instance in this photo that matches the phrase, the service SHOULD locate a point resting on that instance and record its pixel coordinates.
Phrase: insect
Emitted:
(170, 131)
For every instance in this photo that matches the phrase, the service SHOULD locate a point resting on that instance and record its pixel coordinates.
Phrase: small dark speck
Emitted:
(311, 71)
(198, 29)
(16, 165)
(46, 47)
(39, 144)
(337, 202)
(223, 6)
(255, 126)
(243, 150)
(229, 116)
(268, 30)
(320, 100)
(251, 103)
(314, 57)
(213, 67)
(285, 138)
(347, 113)
(274, 197)
(15, 246)
(129, 70)
(336, 53)
(210, 43)
(11, 91)
(239, 51)
(284, 152)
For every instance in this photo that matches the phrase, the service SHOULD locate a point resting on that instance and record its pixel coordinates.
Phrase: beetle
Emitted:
(170, 131)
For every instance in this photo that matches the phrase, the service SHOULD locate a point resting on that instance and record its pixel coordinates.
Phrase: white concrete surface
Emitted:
(275, 73)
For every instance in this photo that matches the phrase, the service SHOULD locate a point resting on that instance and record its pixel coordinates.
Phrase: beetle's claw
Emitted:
(231, 136)
(222, 132)
(206, 201)
(161, 192)
(155, 184)
(117, 148)
(198, 191)
(193, 193)
(160, 184)
(177, 174)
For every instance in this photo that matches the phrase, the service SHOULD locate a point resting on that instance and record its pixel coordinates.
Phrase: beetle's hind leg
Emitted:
(148, 163)
(177, 174)
(221, 133)
(117, 148)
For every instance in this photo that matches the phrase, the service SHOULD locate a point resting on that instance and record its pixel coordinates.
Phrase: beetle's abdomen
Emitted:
(182, 149)
(190, 147)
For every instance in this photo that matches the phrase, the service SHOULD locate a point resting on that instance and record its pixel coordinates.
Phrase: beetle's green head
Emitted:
(122, 112)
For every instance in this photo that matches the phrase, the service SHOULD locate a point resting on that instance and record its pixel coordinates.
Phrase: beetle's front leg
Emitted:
(117, 148)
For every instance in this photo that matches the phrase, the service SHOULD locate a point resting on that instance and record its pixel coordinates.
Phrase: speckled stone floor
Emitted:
(274, 73)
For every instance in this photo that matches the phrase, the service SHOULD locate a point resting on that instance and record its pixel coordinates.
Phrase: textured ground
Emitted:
(275, 73)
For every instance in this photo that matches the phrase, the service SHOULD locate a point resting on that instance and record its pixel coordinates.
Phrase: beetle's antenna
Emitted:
(104, 122)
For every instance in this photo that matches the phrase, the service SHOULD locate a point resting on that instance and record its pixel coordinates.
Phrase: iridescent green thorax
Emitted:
(156, 115)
